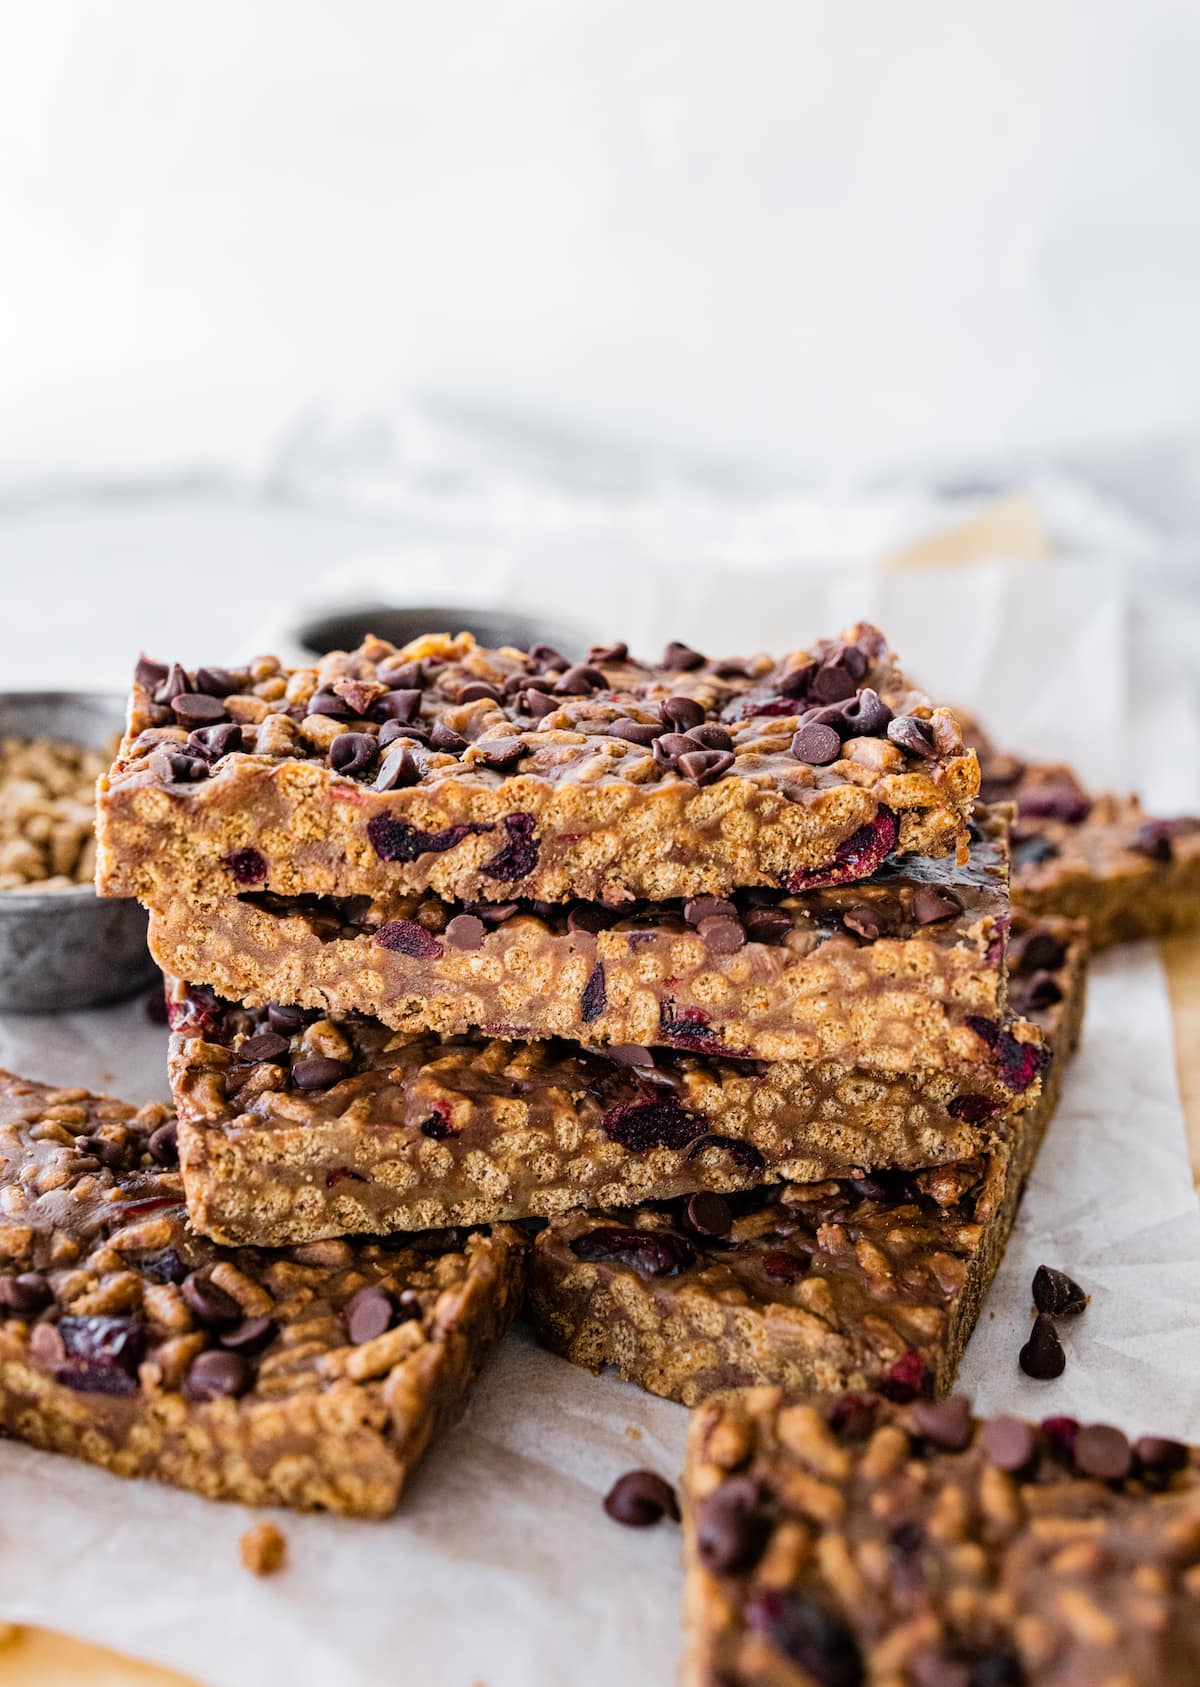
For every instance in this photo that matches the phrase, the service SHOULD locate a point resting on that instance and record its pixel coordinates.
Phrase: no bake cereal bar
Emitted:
(484, 774)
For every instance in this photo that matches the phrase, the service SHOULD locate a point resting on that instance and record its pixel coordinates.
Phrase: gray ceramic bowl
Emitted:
(64, 949)
(398, 624)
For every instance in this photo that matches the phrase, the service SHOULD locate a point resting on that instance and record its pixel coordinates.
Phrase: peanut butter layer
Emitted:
(481, 774)
(885, 974)
(853, 1542)
(843, 1284)
(312, 1378)
(1098, 858)
(293, 1128)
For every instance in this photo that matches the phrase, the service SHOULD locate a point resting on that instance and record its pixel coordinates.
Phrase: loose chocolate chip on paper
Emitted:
(318, 1073)
(369, 1313)
(217, 1375)
(1056, 1293)
(1008, 1443)
(1103, 1452)
(816, 744)
(640, 1498)
(465, 931)
(352, 752)
(1042, 1356)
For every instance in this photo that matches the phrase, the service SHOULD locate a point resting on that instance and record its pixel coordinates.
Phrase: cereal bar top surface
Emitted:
(853, 1542)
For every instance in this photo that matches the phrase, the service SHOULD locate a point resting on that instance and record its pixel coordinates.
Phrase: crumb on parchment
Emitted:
(264, 1548)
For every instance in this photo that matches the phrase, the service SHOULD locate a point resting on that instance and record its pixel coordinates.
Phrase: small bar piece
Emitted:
(849, 1541)
(839, 1284)
(294, 1128)
(486, 774)
(313, 1378)
(886, 974)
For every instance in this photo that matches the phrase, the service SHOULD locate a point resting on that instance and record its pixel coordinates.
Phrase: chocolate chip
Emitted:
(1162, 1457)
(651, 1253)
(680, 658)
(397, 770)
(913, 735)
(831, 683)
(640, 1498)
(1103, 1452)
(352, 752)
(580, 681)
(25, 1294)
(865, 921)
(410, 731)
(177, 683)
(447, 742)
(478, 691)
(149, 675)
(465, 931)
(819, 1643)
(614, 653)
(630, 1054)
(1155, 839)
(369, 1313)
(705, 766)
(500, 754)
(172, 767)
(947, 1422)
(710, 736)
(796, 681)
(213, 742)
(285, 1018)
(682, 712)
(766, 925)
(816, 744)
(545, 656)
(732, 1527)
(407, 937)
(591, 917)
(1008, 1443)
(163, 1144)
(635, 731)
(217, 1375)
(267, 1045)
(330, 704)
(318, 1073)
(1056, 1293)
(209, 1303)
(929, 904)
(1040, 951)
(402, 705)
(494, 913)
(866, 715)
(668, 746)
(110, 1154)
(709, 1214)
(401, 676)
(250, 1336)
(698, 908)
(1042, 1355)
(721, 936)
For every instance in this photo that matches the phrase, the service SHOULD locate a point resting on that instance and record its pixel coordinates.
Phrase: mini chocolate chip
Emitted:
(710, 736)
(318, 1074)
(731, 1527)
(684, 713)
(217, 1375)
(1042, 1355)
(580, 681)
(1155, 1453)
(705, 766)
(500, 754)
(172, 767)
(766, 925)
(640, 1498)
(267, 1045)
(465, 931)
(709, 1214)
(866, 715)
(1008, 1443)
(250, 1336)
(946, 1422)
(479, 690)
(402, 705)
(285, 1018)
(1103, 1452)
(397, 770)
(816, 744)
(913, 735)
(213, 742)
(539, 704)
(110, 1154)
(1056, 1293)
(680, 658)
(929, 904)
(720, 936)
(591, 917)
(330, 704)
(449, 743)
(209, 1303)
(698, 908)
(614, 653)
(163, 1143)
(25, 1294)
(865, 921)
(369, 1313)
(149, 675)
(352, 752)
(670, 745)
(635, 731)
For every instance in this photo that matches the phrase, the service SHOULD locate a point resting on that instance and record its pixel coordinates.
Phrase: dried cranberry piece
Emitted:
(783, 1267)
(198, 1013)
(1055, 802)
(103, 1354)
(519, 856)
(651, 1253)
(907, 1379)
(688, 1028)
(594, 997)
(1061, 1433)
(396, 840)
(643, 1125)
(859, 856)
(1019, 1063)
(163, 1267)
(974, 1109)
(743, 1154)
(406, 937)
(247, 866)
(813, 1639)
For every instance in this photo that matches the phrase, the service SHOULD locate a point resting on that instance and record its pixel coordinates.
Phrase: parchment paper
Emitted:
(501, 1568)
